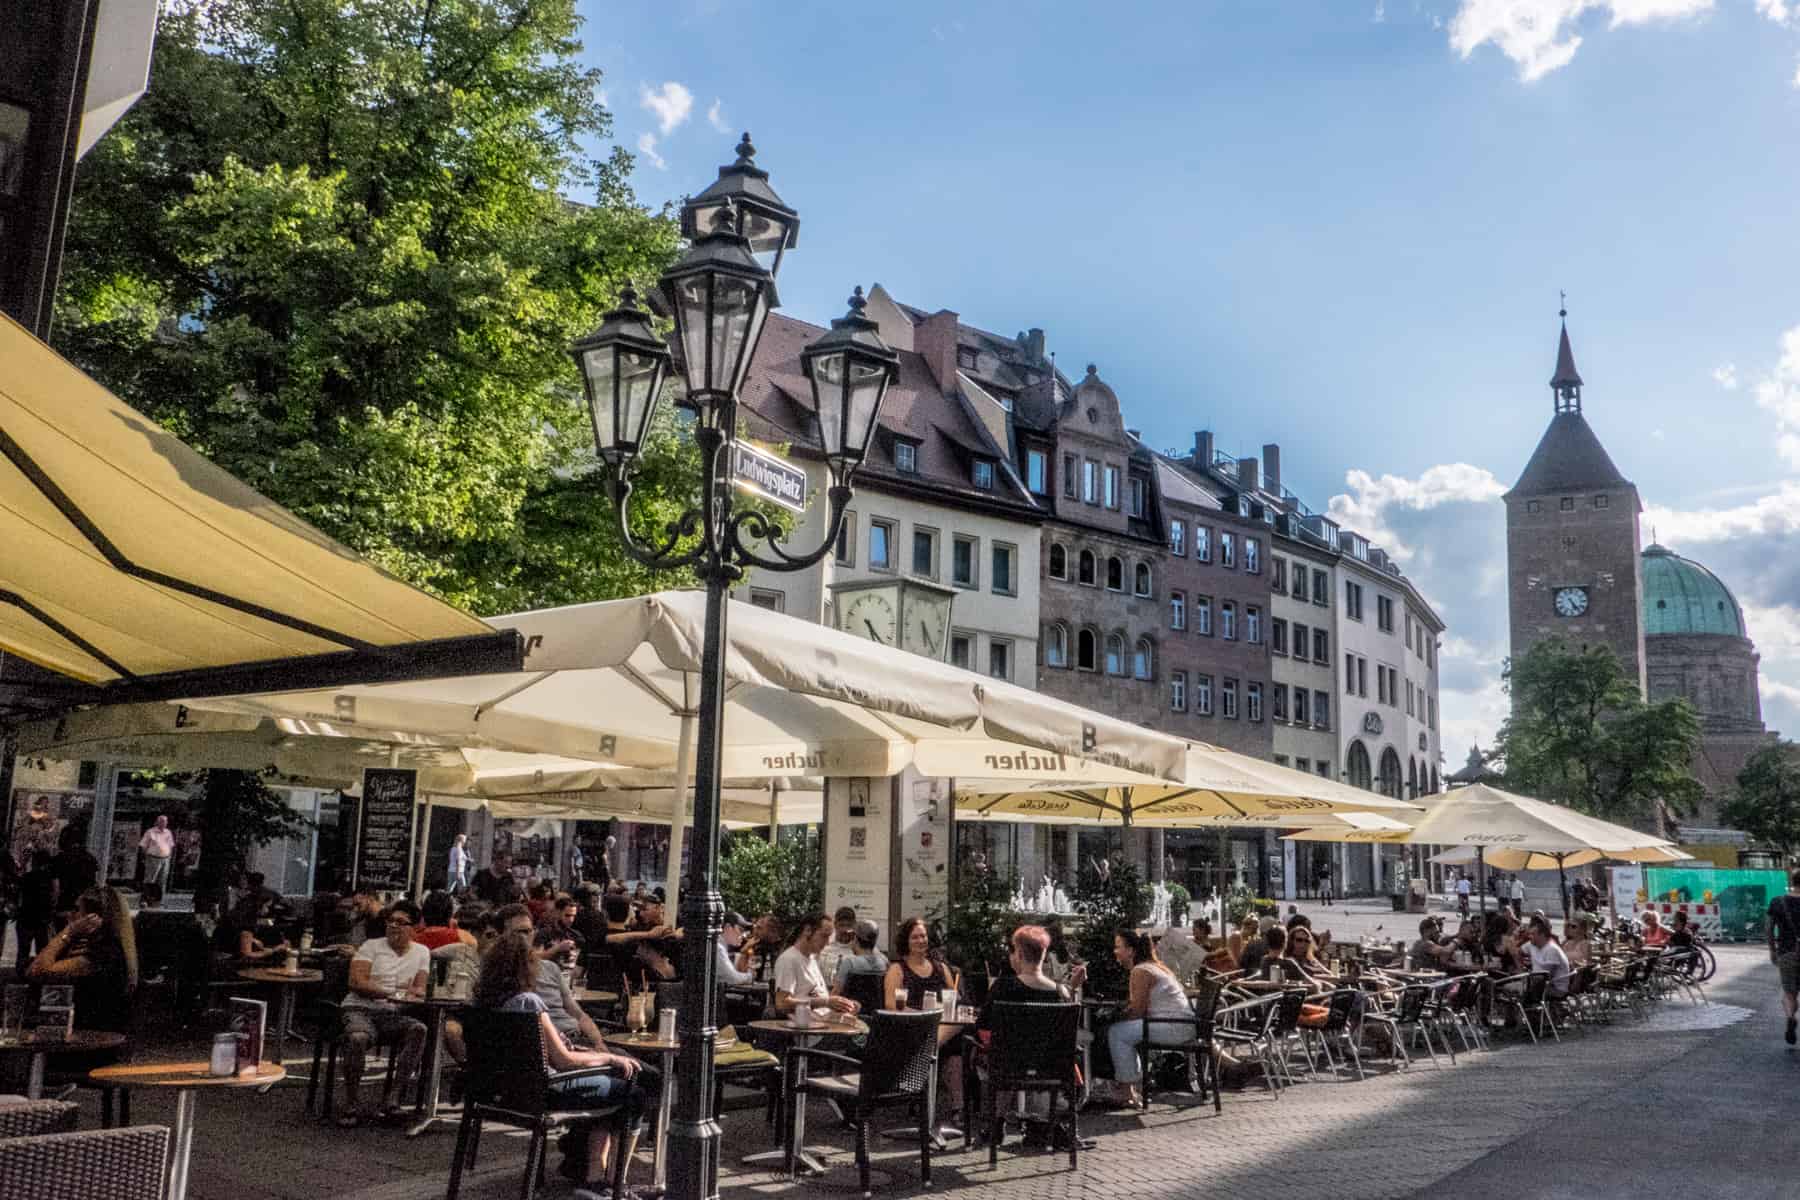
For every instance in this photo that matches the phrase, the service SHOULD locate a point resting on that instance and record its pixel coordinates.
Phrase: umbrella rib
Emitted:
(510, 693)
(643, 682)
(1172, 796)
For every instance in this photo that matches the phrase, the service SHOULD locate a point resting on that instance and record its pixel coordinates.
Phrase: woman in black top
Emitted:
(918, 967)
(97, 953)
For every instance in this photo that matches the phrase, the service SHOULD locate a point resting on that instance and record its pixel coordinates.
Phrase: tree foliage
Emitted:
(1109, 897)
(1767, 803)
(974, 929)
(785, 877)
(333, 249)
(1580, 734)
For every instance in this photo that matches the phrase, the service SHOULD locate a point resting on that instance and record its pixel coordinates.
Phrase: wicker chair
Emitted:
(114, 1164)
(35, 1117)
(896, 1069)
(1036, 1048)
(509, 1082)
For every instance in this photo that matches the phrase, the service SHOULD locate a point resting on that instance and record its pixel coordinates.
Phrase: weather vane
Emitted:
(1564, 297)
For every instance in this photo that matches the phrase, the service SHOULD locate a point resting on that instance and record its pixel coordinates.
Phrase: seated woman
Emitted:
(236, 936)
(97, 953)
(1654, 933)
(507, 979)
(919, 967)
(1029, 985)
(1154, 992)
(1575, 942)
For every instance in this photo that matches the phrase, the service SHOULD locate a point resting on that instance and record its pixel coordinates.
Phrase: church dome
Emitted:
(1683, 597)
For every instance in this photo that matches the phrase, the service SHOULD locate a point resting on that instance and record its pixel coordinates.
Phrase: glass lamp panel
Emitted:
(828, 395)
(867, 383)
(599, 368)
(734, 307)
(638, 377)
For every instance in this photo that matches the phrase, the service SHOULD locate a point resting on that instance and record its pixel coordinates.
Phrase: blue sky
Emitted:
(1335, 224)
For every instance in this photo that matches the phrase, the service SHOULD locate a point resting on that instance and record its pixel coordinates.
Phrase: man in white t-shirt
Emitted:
(1548, 957)
(158, 846)
(382, 969)
(1462, 894)
(1518, 894)
(798, 979)
(842, 944)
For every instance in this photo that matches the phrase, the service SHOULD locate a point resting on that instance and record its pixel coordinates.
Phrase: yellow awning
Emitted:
(128, 555)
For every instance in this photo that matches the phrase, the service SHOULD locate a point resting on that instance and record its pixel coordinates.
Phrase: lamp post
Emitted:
(720, 297)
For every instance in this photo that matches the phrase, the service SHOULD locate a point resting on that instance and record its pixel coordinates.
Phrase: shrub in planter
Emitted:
(1107, 901)
(1179, 904)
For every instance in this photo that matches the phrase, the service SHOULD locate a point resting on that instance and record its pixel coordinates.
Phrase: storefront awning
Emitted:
(136, 567)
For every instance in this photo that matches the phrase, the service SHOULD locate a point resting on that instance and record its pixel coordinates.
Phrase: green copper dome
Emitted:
(1681, 596)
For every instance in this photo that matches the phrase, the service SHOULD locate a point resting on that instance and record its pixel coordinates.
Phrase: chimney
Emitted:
(935, 340)
(1203, 449)
(1247, 473)
(1272, 466)
(1033, 341)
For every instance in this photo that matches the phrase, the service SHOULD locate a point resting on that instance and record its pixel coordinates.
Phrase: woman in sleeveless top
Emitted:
(1155, 992)
(918, 968)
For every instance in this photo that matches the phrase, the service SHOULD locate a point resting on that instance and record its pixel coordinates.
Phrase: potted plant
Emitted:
(1180, 901)
(975, 927)
(1108, 897)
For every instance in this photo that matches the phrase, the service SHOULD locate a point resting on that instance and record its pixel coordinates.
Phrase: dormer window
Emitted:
(967, 357)
(906, 457)
(1138, 490)
(984, 474)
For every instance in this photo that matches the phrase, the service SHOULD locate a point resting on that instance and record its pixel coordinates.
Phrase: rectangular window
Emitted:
(1227, 620)
(846, 543)
(1228, 689)
(1037, 471)
(906, 458)
(1203, 615)
(1137, 497)
(1279, 582)
(1302, 642)
(1177, 537)
(1203, 695)
(1003, 569)
(984, 475)
(1177, 610)
(1252, 624)
(1178, 691)
(1278, 702)
(1299, 592)
(962, 561)
(1567, 504)
(999, 659)
(1227, 550)
(1253, 701)
(1068, 479)
(881, 545)
(1321, 647)
(1324, 768)
(924, 555)
(1432, 710)
(1303, 764)
(1353, 600)
(1321, 587)
(1409, 631)
(1301, 708)
(1281, 760)
(1534, 506)
(1112, 487)
(962, 650)
(1090, 481)
(1322, 710)
(1349, 674)
(1252, 555)
(1278, 635)
(1362, 677)
(1431, 653)
(1409, 698)
(772, 600)
(1384, 613)
(1602, 501)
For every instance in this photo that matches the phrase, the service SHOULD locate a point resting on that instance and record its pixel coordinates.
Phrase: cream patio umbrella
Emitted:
(616, 684)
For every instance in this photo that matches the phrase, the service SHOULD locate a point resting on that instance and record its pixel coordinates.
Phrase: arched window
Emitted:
(1141, 579)
(1357, 766)
(1115, 574)
(1115, 654)
(1142, 659)
(1434, 781)
(1056, 646)
(1087, 568)
(1059, 561)
(1412, 776)
(1390, 773)
(1087, 654)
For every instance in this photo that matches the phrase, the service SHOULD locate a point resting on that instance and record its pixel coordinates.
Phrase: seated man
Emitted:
(1427, 953)
(552, 984)
(731, 939)
(798, 980)
(1545, 955)
(381, 969)
(866, 957)
(557, 937)
(440, 926)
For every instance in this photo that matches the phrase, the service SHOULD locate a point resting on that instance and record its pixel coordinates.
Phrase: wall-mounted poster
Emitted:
(923, 826)
(858, 819)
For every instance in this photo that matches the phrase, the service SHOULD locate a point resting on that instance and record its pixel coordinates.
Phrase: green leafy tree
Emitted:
(1580, 734)
(1767, 803)
(980, 918)
(343, 249)
(785, 877)
(1107, 901)
(235, 811)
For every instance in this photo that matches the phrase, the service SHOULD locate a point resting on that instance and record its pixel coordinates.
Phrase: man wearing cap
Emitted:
(865, 955)
(843, 923)
(731, 936)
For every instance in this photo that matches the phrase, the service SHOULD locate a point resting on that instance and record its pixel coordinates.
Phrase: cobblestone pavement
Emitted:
(1697, 1081)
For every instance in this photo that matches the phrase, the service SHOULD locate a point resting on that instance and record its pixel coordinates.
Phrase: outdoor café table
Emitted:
(803, 1036)
(434, 1009)
(77, 1041)
(288, 981)
(185, 1078)
(638, 1045)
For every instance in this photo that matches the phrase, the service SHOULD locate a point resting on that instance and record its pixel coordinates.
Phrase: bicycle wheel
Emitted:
(1705, 964)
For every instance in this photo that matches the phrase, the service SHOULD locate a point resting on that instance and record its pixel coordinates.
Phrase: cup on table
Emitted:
(932, 1002)
(804, 1015)
(947, 999)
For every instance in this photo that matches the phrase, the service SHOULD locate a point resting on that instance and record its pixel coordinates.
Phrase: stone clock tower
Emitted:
(1572, 561)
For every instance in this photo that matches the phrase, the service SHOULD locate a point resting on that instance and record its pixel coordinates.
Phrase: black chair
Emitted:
(1413, 1011)
(508, 1080)
(1035, 1048)
(1249, 1026)
(1197, 1048)
(868, 989)
(896, 1069)
(1340, 1007)
(328, 1030)
(1531, 1002)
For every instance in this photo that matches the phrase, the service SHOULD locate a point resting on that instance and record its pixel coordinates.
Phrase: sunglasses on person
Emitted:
(402, 922)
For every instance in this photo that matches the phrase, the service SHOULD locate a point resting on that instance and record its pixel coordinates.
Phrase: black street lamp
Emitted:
(769, 225)
(720, 297)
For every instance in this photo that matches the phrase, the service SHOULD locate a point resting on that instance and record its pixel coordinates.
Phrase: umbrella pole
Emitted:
(1562, 879)
(774, 813)
(1481, 892)
(424, 849)
(684, 765)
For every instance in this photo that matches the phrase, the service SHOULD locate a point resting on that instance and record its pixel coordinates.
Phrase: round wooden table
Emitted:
(287, 981)
(185, 1078)
(640, 1045)
(802, 1035)
(594, 996)
(77, 1041)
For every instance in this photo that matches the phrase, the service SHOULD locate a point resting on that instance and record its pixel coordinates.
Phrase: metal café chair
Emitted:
(1035, 1048)
(896, 1069)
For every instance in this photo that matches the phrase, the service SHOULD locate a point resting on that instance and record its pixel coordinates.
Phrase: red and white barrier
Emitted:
(1703, 917)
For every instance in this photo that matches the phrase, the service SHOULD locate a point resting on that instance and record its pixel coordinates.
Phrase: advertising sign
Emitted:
(858, 846)
(384, 829)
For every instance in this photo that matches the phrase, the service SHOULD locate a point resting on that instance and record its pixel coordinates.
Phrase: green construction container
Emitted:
(1742, 895)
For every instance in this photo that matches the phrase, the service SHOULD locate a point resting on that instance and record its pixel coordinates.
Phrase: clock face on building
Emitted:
(872, 615)
(1571, 601)
(927, 624)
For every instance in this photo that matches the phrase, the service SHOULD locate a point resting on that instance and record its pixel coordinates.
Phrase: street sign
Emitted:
(769, 477)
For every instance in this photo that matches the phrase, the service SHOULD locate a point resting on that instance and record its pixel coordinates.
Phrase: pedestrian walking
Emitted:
(1462, 895)
(1518, 894)
(1784, 948)
(157, 846)
(459, 864)
(1325, 890)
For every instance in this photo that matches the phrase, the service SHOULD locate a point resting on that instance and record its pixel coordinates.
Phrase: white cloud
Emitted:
(1539, 35)
(1796, 80)
(1725, 375)
(715, 116)
(1380, 11)
(1777, 11)
(671, 104)
(646, 144)
(1779, 393)
(1658, 434)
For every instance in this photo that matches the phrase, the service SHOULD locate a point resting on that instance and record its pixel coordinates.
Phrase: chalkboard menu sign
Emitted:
(384, 831)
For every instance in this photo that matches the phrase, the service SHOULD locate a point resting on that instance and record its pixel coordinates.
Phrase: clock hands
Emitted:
(870, 626)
